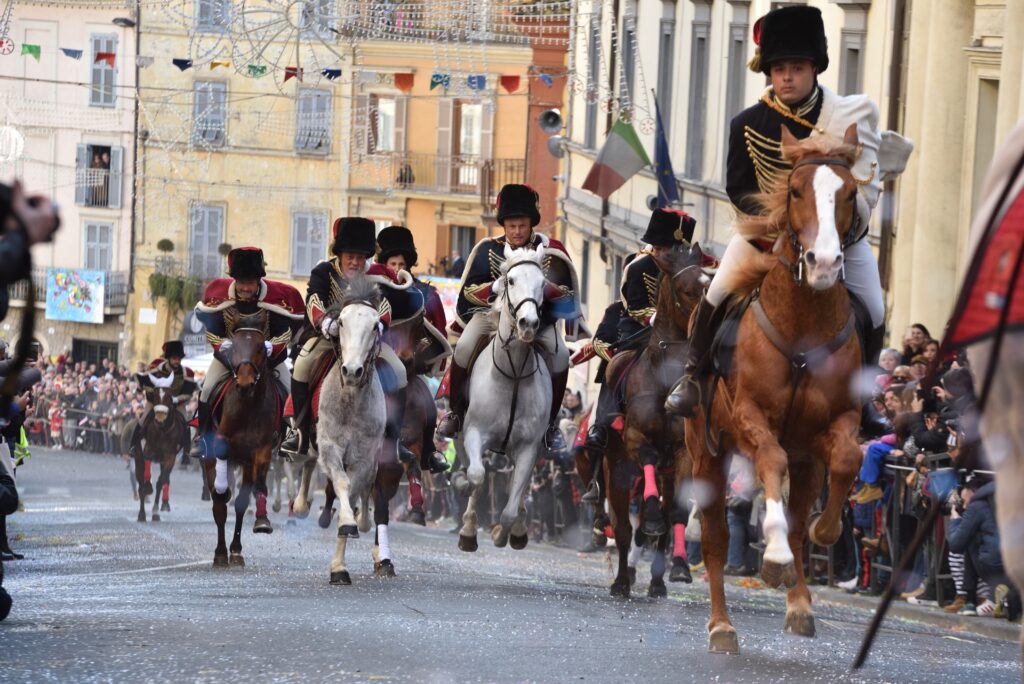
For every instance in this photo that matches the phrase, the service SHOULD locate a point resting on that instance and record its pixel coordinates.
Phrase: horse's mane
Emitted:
(256, 321)
(360, 289)
(774, 202)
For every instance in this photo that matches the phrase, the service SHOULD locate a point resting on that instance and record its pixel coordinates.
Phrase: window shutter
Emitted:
(218, 110)
(445, 117)
(81, 173)
(200, 107)
(90, 245)
(299, 231)
(401, 117)
(116, 177)
(360, 126)
(487, 129)
(105, 246)
(326, 123)
(204, 13)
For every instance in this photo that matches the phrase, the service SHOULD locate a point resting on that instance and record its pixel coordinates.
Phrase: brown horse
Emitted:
(165, 435)
(652, 444)
(247, 431)
(787, 403)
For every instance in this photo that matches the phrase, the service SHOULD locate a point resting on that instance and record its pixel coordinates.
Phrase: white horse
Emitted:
(352, 413)
(510, 395)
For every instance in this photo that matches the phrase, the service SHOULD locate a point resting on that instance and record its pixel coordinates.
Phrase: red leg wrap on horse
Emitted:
(261, 505)
(147, 470)
(415, 492)
(679, 541)
(167, 491)
(650, 482)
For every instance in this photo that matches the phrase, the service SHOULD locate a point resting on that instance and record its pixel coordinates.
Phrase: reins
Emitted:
(258, 369)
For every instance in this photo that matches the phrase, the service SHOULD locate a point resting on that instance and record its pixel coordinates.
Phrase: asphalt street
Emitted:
(102, 597)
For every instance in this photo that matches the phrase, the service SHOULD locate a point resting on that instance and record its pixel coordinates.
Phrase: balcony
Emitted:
(406, 172)
(115, 290)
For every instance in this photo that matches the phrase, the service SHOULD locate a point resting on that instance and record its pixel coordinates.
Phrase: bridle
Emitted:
(514, 310)
(853, 235)
(257, 368)
(371, 358)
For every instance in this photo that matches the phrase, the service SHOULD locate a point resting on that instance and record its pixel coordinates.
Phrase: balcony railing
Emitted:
(431, 173)
(115, 289)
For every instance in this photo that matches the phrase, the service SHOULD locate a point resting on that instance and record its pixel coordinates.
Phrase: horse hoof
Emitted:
(657, 589)
(816, 536)
(301, 515)
(776, 574)
(156, 517)
(165, 507)
(801, 624)
(142, 517)
(418, 517)
(205, 496)
(324, 520)
(680, 573)
(237, 560)
(262, 526)
(724, 641)
(499, 536)
(384, 569)
(350, 531)
(220, 560)
(654, 521)
(631, 572)
(276, 507)
(619, 589)
(518, 542)
(467, 543)
(341, 577)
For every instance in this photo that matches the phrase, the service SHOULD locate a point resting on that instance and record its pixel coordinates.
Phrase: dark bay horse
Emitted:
(247, 431)
(787, 404)
(165, 436)
(652, 443)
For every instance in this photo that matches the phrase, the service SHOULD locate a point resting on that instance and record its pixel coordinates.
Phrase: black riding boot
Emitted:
(593, 493)
(430, 460)
(393, 425)
(297, 440)
(458, 400)
(6, 552)
(597, 434)
(200, 448)
(553, 440)
(684, 399)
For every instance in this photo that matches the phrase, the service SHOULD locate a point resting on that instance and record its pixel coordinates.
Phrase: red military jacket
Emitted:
(282, 304)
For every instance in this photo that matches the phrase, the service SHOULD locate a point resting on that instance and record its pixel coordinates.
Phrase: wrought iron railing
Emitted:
(459, 174)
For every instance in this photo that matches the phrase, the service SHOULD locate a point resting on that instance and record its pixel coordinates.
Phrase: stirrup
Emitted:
(593, 493)
(677, 404)
(553, 440)
(455, 420)
(292, 443)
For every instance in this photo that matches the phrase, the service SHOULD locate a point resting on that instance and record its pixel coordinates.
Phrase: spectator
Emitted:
(887, 361)
(457, 265)
(914, 342)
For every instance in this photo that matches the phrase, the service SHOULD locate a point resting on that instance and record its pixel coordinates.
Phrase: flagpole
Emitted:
(609, 122)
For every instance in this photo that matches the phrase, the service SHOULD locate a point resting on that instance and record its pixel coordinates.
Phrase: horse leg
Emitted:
(844, 458)
(473, 445)
(346, 518)
(161, 482)
(262, 467)
(770, 462)
(618, 498)
(277, 476)
(805, 484)
(388, 478)
(327, 513)
(657, 587)
(678, 518)
(339, 572)
(220, 516)
(241, 505)
(300, 505)
(519, 535)
(467, 534)
(140, 478)
(516, 493)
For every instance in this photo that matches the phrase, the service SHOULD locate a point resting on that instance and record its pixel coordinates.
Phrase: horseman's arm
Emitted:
(740, 179)
(318, 293)
(211, 311)
(280, 337)
(475, 288)
(634, 294)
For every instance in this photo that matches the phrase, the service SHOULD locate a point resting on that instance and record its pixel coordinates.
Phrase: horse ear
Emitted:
(788, 139)
(850, 137)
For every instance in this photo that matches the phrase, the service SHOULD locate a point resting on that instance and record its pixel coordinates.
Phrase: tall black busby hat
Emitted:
(518, 200)
(669, 227)
(790, 33)
(396, 240)
(245, 263)
(174, 348)
(354, 234)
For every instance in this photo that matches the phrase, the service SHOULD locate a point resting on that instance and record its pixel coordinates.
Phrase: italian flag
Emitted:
(621, 157)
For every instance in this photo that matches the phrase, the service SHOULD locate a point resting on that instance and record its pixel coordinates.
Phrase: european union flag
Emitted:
(668, 190)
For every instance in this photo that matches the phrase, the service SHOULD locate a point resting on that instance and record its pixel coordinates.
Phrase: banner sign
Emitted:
(75, 295)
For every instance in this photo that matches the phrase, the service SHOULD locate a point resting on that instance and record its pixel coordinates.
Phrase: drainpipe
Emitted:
(885, 243)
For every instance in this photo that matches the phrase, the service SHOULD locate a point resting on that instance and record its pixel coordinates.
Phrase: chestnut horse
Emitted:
(652, 443)
(787, 402)
(165, 436)
(247, 430)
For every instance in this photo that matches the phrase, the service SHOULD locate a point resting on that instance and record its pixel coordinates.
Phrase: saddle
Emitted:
(220, 390)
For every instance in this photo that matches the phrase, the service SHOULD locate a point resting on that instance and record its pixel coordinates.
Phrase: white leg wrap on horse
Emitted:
(220, 483)
(635, 554)
(776, 532)
(382, 541)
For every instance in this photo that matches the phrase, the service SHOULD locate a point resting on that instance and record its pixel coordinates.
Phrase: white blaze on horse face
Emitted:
(356, 336)
(525, 283)
(776, 534)
(827, 247)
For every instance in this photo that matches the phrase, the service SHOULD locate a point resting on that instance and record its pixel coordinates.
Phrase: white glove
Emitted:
(225, 346)
(269, 347)
(329, 327)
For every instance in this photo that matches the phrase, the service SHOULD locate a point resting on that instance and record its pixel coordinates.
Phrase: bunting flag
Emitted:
(331, 74)
(182, 64)
(257, 70)
(144, 61)
(29, 49)
(292, 72)
(219, 63)
(438, 79)
(548, 81)
(72, 53)
(510, 83)
(107, 57)
(621, 157)
(404, 82)
(477, 82)
(367, 77)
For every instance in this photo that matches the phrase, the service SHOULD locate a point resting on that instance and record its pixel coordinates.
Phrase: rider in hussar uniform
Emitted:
(226, 300)
(517, 213)
(182, 386)
(629, 319)
(354, 244)
(396, 249)
(792, 51)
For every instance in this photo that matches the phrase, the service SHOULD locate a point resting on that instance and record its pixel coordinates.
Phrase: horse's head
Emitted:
(248, 351)
(359, 331)
(521, 289)
(684, 268)
(821, 203)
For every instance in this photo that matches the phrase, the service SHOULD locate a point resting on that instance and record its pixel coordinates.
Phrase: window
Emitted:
(98, 176)
(379, 225)
(698, 101)
(212, 15)
(313, 128)
(205, 237)
(98, 246)
(383, 112)
(102, 72)
(593, 61)
(850, 63)
(463, 239)
(737, 77)
(628, 59)
(209, 113)
(319, 17)
(309, 240)
(666, 52)
(93, 352)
